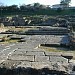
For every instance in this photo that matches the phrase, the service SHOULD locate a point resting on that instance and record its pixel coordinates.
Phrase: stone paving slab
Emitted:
(19, 52)
(27, 49)
(37, 53)
(6, 52)
(3, 57)
(58, 59)
(41, 58)
(53, 53)
(21, 58)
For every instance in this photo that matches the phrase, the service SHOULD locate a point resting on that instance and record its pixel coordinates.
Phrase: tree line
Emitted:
(32, 9)
(23, 7)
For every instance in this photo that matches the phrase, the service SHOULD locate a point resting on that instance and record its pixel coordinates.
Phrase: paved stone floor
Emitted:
(28, 54)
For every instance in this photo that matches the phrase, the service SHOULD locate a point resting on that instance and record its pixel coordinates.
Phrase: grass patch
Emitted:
(9, 41)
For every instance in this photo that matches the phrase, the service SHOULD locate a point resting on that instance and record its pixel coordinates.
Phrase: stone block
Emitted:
(19, 53)
(41, 58)
(37, 53)
(53, 53)
(21, 58)
(58, 59)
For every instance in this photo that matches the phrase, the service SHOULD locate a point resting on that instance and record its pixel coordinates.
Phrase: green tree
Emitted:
(59, 10)
(23, 7)
(36, 5)
(65, 2)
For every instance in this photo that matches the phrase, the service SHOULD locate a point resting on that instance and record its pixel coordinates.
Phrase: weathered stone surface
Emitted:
(67, 54)
(21, 58)
(24, 64)
(3, 57)
(53, 53)
(58, 59)
(41, 58)
(1, 61)
(58, 66)
(10, 63)
(39, 65)
(29, 54)
(19, 53)
(26, 49)
(37, 53)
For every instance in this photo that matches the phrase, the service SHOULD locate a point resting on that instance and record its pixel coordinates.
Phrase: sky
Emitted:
(45, 2)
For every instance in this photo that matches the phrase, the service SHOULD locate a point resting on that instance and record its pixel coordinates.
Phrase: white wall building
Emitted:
(56, 6)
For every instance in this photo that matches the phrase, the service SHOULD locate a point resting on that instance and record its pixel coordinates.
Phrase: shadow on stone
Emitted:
(73, 68)
(30, 71)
